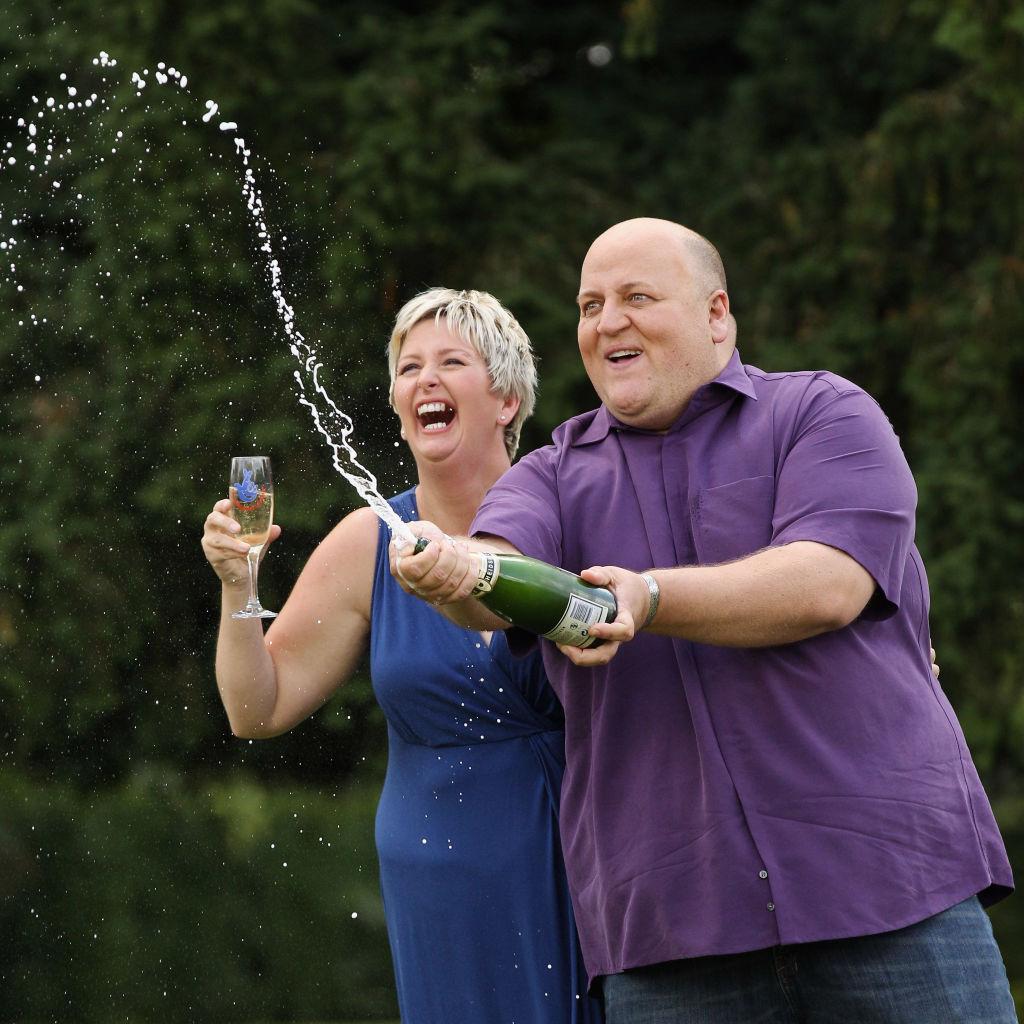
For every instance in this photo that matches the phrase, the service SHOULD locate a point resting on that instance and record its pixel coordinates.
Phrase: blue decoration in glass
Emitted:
(247, 491)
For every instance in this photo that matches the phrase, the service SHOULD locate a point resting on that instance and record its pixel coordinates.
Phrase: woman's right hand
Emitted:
(224, 551)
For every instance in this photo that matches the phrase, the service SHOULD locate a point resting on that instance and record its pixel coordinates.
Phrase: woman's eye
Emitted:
(402, 370)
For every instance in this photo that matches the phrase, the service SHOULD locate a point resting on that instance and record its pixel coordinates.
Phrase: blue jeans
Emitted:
(944, 970)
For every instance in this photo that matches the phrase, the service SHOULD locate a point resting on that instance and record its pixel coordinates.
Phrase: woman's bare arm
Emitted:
(268, 684)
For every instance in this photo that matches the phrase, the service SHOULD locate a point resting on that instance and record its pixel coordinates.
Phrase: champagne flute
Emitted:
(251, 490)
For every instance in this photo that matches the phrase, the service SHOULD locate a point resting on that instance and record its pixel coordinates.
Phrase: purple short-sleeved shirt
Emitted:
(718, 800)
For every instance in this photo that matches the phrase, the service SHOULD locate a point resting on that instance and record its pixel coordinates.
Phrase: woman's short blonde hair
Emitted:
(479, 319)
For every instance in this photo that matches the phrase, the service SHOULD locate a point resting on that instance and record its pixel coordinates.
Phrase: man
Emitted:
(769, 812)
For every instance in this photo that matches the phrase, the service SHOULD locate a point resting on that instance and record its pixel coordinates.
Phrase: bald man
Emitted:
(769, 811)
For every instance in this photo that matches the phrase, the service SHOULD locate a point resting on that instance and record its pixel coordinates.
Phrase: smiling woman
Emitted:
(467, 824)
(443, 391)
(440, 332)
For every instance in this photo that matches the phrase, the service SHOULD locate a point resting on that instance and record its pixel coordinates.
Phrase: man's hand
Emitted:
(444, 572)
(633, 599)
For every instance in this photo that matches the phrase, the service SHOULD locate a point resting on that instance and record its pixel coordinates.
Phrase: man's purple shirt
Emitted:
(716, 799)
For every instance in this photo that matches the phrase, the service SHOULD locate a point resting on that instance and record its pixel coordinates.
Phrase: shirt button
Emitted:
(771, 906)
(762, 873)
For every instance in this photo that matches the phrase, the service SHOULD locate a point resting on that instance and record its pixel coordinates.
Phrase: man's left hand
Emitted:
(632, 598)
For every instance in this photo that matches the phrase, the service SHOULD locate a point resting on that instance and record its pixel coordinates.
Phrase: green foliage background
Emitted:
(858, 163)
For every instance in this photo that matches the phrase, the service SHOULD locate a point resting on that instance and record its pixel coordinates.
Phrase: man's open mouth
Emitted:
(624, 355)
(434, 415)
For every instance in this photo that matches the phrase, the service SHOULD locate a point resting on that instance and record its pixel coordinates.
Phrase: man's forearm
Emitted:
(471, 614)
(775, 596)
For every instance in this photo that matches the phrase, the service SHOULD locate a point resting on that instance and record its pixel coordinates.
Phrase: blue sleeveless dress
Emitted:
(475, 896)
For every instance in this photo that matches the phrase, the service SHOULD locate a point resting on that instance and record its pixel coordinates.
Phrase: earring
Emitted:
(501, 419)
(402, 433)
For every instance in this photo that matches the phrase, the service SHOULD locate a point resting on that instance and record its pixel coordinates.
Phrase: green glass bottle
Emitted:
(542, 598)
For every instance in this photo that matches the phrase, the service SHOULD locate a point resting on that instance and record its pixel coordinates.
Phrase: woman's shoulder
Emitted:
(338, 577)
(353, 541)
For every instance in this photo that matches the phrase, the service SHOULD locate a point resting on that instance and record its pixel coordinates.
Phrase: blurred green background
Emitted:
(858, 163)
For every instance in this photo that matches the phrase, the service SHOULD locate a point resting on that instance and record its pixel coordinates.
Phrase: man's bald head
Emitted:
(654, 319)
(698, 256)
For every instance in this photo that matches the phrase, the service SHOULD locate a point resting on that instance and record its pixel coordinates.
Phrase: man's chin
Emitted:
(630, 409)
(642, 416)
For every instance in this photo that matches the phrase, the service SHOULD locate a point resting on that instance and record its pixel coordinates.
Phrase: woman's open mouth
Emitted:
(434, 416)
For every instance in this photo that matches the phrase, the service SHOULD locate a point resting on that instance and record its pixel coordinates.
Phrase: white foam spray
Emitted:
(335, 426)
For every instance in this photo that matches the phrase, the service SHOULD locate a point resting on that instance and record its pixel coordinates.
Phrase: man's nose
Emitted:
(613, 318)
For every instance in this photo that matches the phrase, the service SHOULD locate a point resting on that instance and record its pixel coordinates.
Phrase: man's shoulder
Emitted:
(549, 461)
(804, 399)
(572, 430)
(564, 437)
(788, 383)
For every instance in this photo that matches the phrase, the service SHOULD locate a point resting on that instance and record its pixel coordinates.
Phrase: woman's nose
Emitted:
(427, 376)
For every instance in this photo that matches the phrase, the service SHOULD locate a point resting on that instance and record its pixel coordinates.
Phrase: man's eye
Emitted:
(588, 307)
(638, 296)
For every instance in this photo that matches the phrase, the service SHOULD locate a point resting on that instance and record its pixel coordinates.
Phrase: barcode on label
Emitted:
(573, 626)
(585, 612)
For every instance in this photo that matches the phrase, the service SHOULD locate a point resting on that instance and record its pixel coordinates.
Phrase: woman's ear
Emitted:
(508, 409)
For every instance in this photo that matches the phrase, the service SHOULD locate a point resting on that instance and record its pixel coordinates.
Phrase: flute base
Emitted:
(254, 613)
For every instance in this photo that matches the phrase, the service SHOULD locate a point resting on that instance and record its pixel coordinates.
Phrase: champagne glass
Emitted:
(251, 490)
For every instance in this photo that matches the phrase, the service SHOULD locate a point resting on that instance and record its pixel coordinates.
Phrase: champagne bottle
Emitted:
(541, 598)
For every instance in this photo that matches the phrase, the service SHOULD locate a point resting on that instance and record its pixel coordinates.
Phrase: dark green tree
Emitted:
(857, 163)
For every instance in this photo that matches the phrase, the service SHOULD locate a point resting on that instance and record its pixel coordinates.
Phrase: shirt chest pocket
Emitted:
(733, 519)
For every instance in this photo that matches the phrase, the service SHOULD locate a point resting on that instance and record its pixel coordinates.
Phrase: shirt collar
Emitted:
(733, 378)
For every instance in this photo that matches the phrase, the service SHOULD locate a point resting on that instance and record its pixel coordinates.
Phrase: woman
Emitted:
(475, 896)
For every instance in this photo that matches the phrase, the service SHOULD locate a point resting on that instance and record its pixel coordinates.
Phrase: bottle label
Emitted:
(572, 627)
(486, 574)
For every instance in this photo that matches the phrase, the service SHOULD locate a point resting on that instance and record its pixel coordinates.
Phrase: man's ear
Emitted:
(718, 316)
